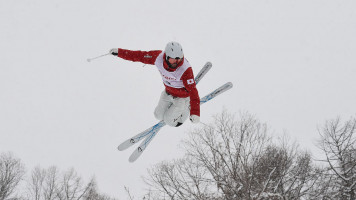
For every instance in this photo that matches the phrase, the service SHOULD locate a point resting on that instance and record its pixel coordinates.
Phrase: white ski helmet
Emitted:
(174, 50)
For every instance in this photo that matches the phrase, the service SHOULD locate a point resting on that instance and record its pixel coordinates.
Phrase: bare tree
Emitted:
(93, 193)
(11, 173)
(43, 184)
(338, 142)
(71, 186)
(50, 184)
(180, 179)
(236, 160)
(36, 184)
(284, 172)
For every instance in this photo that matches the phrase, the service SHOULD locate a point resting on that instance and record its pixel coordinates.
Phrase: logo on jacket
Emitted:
(167, 77)
(190, 81)
(147, 56)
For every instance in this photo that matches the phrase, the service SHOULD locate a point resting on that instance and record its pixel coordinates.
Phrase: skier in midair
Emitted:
(180, 97)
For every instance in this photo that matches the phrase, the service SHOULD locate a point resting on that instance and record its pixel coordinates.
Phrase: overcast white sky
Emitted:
(293, 65)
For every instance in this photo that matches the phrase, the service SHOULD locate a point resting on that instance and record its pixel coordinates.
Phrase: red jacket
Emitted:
(189, 90)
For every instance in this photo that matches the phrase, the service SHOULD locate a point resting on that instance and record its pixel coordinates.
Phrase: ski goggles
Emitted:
(174, 60)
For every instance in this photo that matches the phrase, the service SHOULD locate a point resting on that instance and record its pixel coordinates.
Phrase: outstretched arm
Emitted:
(147, 57)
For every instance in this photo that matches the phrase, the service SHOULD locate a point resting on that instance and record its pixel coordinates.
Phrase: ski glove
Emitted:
(114, 51)
(195, 119)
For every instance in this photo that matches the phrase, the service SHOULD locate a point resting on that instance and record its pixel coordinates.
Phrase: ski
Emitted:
(202, 72)
(128, 143)
(133, 140)
(216, 92)
(136, 154)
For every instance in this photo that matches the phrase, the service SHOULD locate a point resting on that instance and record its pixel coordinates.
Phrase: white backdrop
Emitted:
(292, 64)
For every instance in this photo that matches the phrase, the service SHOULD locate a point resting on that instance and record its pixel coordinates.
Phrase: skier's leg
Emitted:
(186, 111)
(164, 103)
(178, 112)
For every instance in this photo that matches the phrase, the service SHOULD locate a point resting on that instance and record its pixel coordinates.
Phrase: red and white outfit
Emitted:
(180, 88)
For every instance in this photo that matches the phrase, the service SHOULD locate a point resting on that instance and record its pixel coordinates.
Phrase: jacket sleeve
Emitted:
(190, 86)
(147, 57)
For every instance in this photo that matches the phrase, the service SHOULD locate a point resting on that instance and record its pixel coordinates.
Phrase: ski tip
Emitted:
(230, 84)
(209, 63)
(123, 146)
(136, 154)
(133, 157)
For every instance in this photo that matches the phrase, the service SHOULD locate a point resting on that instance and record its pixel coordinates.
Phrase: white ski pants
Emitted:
(173, 110)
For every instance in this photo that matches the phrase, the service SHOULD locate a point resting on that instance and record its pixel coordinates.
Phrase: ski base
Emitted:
(129, 142)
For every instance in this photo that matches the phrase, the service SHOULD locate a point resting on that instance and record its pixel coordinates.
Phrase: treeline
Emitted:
(235, 157)
(43, 184)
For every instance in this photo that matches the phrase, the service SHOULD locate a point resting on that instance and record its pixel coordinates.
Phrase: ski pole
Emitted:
(90, 59)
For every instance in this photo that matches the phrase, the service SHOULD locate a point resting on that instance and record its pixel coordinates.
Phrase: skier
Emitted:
(180, 97)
